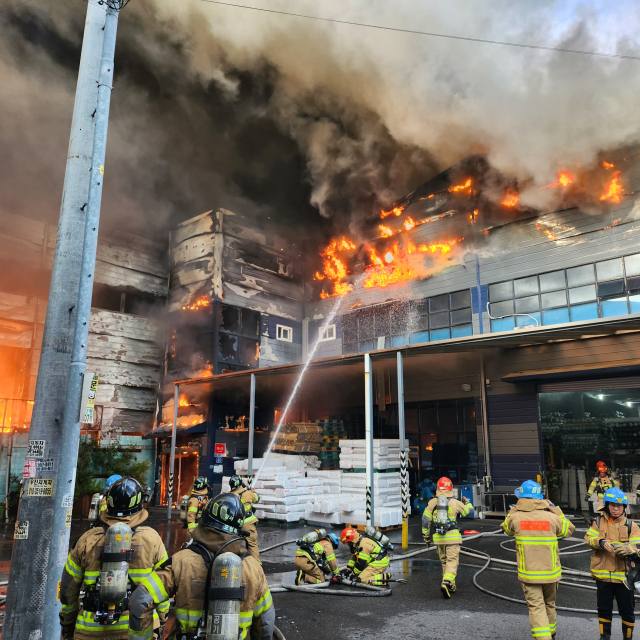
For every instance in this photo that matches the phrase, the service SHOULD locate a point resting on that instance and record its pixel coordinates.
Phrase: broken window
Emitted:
(229, 318)
(227, 347)
(238, 338)
(255, 255)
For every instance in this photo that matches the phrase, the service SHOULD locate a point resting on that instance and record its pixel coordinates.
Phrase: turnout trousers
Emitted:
(607, 591)
(310, 570)
(449, 555)
(541, 600)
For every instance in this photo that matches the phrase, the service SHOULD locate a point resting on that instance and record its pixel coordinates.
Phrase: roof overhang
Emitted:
(576, 372)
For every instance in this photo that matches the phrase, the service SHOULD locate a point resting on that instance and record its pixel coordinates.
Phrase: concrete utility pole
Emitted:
(25, 605)
(60, 484)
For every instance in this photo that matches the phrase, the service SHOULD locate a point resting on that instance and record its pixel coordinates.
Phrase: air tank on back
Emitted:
(183, 508)
(225, 594)
(378, 536)
(114, 576)
(94, 510)
(442, 515)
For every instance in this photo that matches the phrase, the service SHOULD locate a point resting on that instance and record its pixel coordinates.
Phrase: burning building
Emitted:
(519, 328)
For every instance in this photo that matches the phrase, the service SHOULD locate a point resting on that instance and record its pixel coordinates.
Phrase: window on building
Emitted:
(284, 333)
(238, 345)
(328, 333)
(599, 290)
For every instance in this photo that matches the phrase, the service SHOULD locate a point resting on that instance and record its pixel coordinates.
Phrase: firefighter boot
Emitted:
(447, 588)
(299, 577)
(605, 629)
(627, 630)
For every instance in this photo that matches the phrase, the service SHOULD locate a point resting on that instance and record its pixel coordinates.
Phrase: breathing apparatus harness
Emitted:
(214, 593)
(251, 507)
(442, 523)
(105, 613)
(600, 489)
(375, 536)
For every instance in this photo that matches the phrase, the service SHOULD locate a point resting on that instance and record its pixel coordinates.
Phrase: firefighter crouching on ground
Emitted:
(440, 516)
(604, 480)
(185, 577)
(613, 537)
(85, 563)
(369, 559)
(197, 502)
(249, 498)
(316, 556)
(537, 524)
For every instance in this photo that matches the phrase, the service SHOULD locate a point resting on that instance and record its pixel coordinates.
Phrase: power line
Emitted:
(430, 34)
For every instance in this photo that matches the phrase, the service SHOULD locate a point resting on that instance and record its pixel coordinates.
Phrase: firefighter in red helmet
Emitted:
(440, 522)
(369, 556)
(604, 480)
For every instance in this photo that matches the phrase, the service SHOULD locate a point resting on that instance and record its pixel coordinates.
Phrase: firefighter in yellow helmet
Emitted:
(441, 515)
(369, 559)
(185, 577)
(537, 524)
(197, 502)
(249, 498)
(84, 619)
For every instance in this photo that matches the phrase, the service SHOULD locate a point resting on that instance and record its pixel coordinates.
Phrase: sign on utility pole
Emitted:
(41, 538)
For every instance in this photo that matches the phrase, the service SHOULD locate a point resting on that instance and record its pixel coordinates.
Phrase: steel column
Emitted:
(368, 445)
(252, 416)
(485, 421)
(403, 455)
(172, 461)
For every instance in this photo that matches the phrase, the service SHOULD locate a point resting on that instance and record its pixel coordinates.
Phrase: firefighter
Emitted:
(368, 561)
(197, 502)
(537, 524)
(249, 498)
(613, 536)
(554, 482)
(103, 502)
(83, 566)
(604, 479)
(315, 559)
(440, 517)
(186, 574)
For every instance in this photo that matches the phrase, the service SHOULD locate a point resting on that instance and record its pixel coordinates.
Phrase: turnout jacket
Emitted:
(455, 509)
(83, 567)
(321, 553)
(185, 578)
(602, 485)
(367, 553)
(607, 566)
(249, 498)
(196, 504)
(537, 530)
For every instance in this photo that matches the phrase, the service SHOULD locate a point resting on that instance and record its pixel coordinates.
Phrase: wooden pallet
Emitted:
(361, 527)
(282, 524)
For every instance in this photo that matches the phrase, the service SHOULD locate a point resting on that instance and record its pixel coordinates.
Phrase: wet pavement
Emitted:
(416, 609)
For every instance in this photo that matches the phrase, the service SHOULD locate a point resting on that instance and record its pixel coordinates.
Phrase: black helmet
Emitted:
(225, 513)
(200, 483)
(125, 497)
(235, 482)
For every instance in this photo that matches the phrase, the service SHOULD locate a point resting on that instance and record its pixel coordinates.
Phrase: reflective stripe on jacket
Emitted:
(369, 553)
(537, 531)
(249, 498)
(321, 549)
(601, 485)
(195, 505)
(455, 509)
(607, 566)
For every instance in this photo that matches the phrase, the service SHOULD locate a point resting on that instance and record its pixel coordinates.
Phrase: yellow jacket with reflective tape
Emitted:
(368, 553)
(83, 566)
(537, 530)
(602, 485)
(249, 498)
(185, 578)
(321, 549)
(607, 566)
(455, 510)
(196, 504)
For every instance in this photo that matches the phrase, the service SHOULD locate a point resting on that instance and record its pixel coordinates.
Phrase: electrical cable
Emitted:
(430, 34)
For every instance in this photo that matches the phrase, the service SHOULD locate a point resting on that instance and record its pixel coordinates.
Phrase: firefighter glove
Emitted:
(345, 573)
(587, 498)
(336, 579)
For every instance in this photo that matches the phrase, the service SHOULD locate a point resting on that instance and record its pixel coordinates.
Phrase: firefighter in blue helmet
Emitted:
(614, 539)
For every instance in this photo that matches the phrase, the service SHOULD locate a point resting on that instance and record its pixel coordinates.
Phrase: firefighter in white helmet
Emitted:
(84, 619)
(185, 577)
(440, 518)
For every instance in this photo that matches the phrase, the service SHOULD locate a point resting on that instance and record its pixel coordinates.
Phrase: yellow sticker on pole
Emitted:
(101, 169)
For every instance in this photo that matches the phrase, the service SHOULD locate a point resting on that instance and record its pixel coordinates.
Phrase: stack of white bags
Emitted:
(290, 493)
(386, 454)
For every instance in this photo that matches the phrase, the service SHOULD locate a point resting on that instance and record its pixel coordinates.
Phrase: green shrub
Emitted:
(96, 463)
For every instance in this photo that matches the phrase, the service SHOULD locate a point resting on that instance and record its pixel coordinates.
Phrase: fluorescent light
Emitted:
(600, 397)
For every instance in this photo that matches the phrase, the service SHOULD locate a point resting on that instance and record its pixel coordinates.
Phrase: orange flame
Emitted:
(614, 191)
(396, 211)
(607, 165)
(614, 223)
(409, 223)
(564, 179)
(385, 232)
(473, 216)
(335, 269)
(183, 402)
(546, 231)
(461, 187)
(510, 199)
(201, 302)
